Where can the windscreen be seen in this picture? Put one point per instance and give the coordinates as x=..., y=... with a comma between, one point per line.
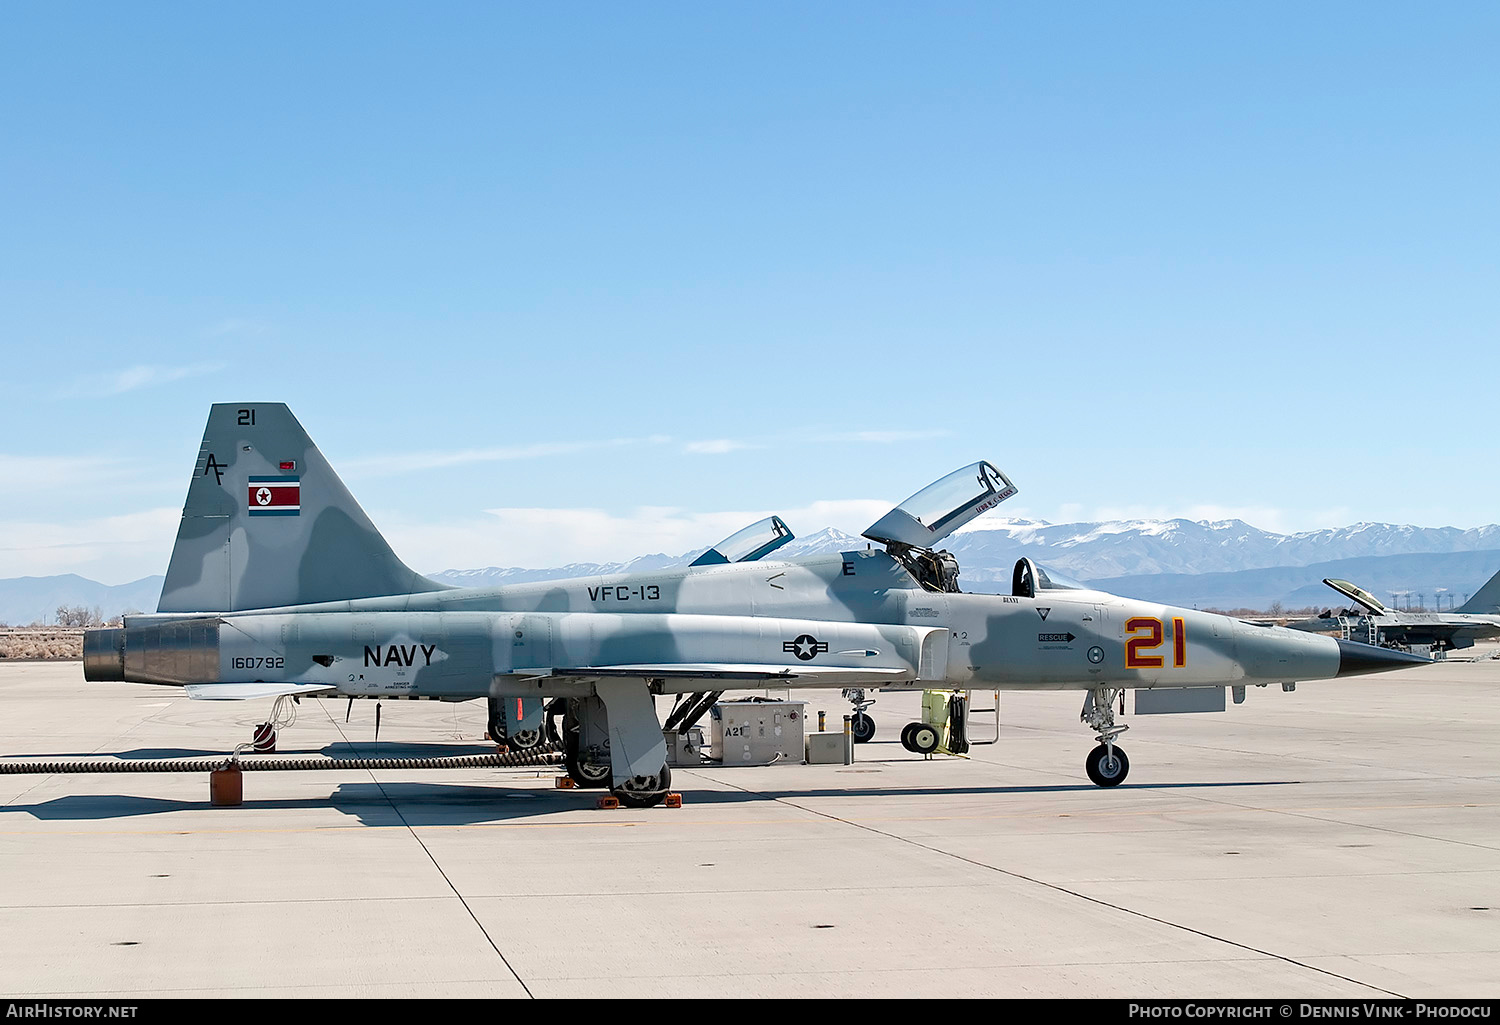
x=753, y=542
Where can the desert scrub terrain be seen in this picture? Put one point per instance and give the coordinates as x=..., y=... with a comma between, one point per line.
x=41, y=642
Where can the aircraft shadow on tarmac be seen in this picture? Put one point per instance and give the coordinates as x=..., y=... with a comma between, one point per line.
x=458, y=804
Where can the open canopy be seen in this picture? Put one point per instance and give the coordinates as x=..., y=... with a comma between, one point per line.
x=753, y=542
x=942, y=507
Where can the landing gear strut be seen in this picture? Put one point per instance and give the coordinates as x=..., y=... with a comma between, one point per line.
x=1106, y=765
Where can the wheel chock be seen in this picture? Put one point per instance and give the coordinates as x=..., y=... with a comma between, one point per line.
x=607, y=802
x=672, y=801
x=226, y=787
x=563, y=783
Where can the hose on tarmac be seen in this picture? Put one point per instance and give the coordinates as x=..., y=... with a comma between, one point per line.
x=510, y=760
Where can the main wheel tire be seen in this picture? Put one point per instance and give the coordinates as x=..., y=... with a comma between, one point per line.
x=1104, y=770
x=645, y=791
x=863, y=728
x=523, y=740
x=587, y=775
x=924, y=738
x=906, y=736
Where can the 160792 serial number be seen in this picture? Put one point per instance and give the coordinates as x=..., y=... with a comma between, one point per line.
x=258, y=662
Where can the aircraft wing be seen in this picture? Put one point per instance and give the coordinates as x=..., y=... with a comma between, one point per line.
x=831, y=676
x=246, y=691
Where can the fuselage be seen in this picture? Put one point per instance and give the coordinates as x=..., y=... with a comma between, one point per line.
x=859, y=610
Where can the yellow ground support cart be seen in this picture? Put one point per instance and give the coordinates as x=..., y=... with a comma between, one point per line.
x=944, y=726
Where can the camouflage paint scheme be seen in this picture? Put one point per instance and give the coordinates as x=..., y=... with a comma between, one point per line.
x=312, y=599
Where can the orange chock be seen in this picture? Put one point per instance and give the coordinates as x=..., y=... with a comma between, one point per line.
x=608, y=802
x=563, y=783
x=673, y=801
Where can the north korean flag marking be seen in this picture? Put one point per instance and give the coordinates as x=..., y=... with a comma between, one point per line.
x=275, y=496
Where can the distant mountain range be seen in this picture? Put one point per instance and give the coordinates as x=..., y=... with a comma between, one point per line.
x=1208, y=563
x=27, y=600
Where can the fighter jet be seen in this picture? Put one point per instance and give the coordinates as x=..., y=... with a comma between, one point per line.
x=280, y=586
x=1370, y=621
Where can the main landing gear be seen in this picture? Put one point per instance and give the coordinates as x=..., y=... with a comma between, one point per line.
x=516, y=740
x=1106, y=764
x=586, y=756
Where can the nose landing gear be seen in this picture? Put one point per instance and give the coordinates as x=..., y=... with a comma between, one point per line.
x=861, y=725
x=1106, y=764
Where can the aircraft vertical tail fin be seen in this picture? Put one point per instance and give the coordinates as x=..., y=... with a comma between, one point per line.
x=1486, y=601
x=268, y=523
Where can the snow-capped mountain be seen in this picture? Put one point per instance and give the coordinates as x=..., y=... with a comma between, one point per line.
x=1092, y=551
x=1178, y=561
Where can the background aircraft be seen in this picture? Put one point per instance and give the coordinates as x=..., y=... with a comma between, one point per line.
x=280, y=586
x=1370, y=621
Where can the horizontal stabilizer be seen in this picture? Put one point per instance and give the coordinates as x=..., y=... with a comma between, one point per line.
x=246, y=691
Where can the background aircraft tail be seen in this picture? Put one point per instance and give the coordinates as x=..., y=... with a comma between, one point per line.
x=268, y=523
x=1486, y=601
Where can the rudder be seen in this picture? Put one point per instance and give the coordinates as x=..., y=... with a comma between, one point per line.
x=268, y=523
x=1486, y=601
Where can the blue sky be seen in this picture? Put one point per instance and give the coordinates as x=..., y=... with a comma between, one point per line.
x=555, y=282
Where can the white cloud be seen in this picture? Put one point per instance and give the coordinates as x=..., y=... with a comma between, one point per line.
x=407, y=462
x=110, y=549
x=546, y=537
x=236, y=326
x=28, y=474
x=132, y=378
x=717, y=447
x=886, y=437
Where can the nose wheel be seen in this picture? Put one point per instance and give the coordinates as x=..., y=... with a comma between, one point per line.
x=1107, y=765
x=861, y=726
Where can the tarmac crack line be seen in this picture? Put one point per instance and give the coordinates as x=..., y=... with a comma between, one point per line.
x=1081, y=896
x=1293, y=813
x=482, y=930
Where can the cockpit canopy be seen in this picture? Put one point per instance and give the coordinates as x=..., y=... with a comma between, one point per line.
x=753, y=542
x=1028, y=580
x=942, y=507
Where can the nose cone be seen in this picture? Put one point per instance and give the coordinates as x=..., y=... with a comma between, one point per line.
x=1356, y=658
